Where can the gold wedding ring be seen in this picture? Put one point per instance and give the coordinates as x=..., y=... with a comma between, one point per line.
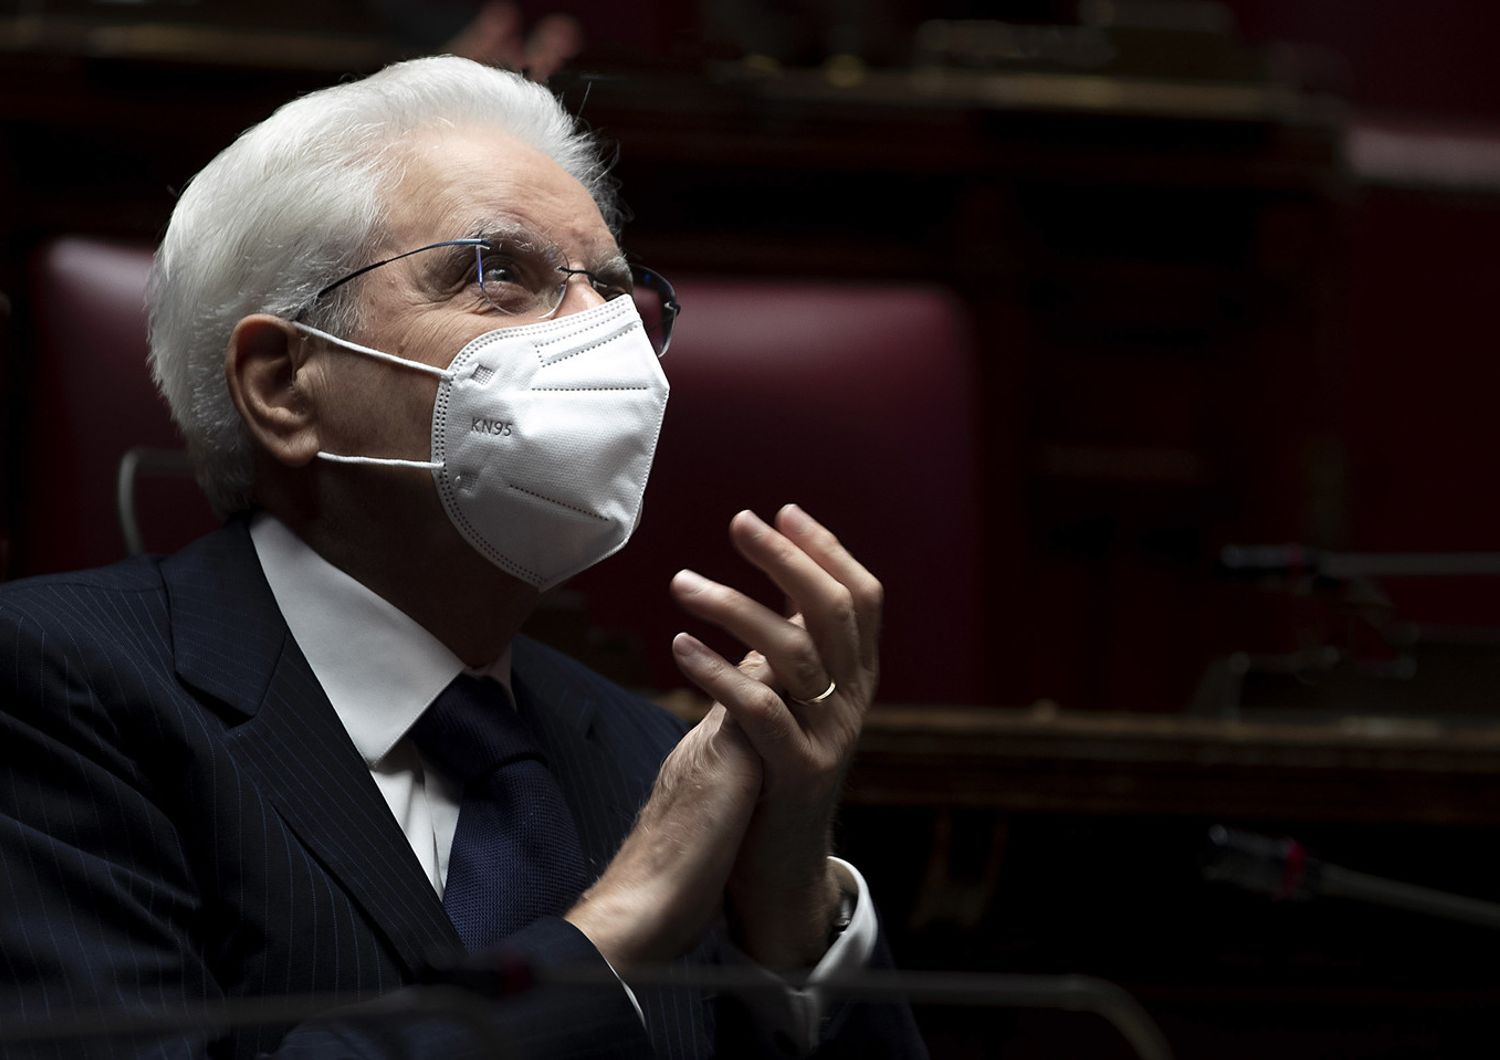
x=830, y=690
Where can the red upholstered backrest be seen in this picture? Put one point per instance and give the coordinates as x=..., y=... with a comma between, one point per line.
x=88, y=397
x=859, y=404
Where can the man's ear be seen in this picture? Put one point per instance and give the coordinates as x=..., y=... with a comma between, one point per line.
x=263, y=368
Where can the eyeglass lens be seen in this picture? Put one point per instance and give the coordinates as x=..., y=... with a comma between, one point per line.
x=521, y=281
x=657, y=305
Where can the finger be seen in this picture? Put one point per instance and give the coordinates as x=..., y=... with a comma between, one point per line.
x=785, y=645
x=758, y=668
x=556, y=39
x=758, y=710
x=825, y=603
x=825, y=549
x=493, y=36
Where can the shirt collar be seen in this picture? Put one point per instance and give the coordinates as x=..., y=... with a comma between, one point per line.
x=378, y=666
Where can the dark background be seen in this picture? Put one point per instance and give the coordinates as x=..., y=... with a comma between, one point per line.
x=1228, y=280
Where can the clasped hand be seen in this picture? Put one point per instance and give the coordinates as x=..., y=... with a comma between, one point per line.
x=743, y=807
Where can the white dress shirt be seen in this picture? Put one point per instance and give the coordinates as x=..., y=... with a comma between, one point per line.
x=381, y=669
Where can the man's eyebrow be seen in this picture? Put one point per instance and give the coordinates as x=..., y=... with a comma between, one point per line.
x=615, y=267
x=498, y=231
x=615, y=259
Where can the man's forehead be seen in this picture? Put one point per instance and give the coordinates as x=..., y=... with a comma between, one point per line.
x=475, y=181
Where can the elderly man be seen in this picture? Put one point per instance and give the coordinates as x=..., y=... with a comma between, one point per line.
x=311, y=753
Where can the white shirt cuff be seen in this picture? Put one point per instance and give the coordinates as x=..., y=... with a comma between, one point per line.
x=796, y=1014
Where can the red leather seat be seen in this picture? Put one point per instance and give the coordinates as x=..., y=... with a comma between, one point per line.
x=860, y=404
x=88, y=397
x=857, y=402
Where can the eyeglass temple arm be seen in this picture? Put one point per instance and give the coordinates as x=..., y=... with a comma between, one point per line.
x=336, y=284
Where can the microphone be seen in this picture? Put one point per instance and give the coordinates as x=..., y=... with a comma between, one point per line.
x=1283, y=869
x=1301, y=561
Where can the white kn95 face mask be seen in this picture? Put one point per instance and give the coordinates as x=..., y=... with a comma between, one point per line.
x=542, y=438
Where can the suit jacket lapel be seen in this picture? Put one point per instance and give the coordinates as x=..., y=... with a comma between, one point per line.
x=231, y=641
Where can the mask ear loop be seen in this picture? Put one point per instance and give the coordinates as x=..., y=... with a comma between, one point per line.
x=379, y=461
x=380, y=355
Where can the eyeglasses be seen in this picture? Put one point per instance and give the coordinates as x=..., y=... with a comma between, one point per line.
x=527, y=278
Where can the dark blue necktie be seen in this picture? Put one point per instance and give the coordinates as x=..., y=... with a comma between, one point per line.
x=516, y=855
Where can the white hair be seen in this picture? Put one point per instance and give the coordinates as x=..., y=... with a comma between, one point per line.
x=295, y=202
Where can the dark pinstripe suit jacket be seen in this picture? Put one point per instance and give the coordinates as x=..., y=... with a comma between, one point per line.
x=183, y=817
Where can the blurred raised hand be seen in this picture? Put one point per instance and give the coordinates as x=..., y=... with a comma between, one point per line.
x=497, y=36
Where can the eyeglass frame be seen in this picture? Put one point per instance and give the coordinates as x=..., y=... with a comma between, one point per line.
x=670, y=307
